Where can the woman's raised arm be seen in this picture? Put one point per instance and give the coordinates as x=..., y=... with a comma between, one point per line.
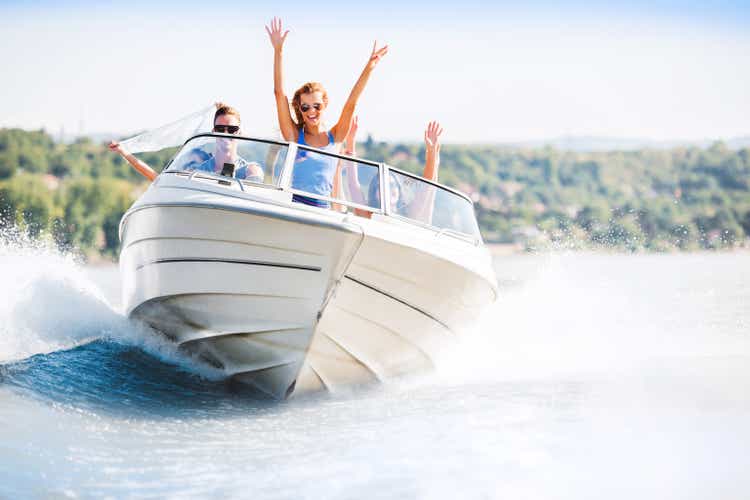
x=352, y=174
x=341, y=129
x=286, y=124
x=140, y=165
x=423, y=204
x=432, y=151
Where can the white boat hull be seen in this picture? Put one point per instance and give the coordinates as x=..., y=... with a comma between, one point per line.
x=290, y=299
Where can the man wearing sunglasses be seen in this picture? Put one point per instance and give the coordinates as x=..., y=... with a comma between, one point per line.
x=227, y=121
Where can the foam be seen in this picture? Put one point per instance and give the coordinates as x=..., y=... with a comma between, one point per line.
x=48, y=304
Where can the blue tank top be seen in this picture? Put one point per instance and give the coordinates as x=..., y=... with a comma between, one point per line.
x=313, y=172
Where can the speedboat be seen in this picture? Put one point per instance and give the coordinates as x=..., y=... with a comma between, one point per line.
x=289, y=297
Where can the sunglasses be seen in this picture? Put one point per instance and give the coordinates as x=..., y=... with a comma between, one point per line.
x=227, y=129
x=305, y=107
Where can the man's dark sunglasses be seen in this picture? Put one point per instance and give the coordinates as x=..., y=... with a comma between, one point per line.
x=306, y=107
x=227, y=129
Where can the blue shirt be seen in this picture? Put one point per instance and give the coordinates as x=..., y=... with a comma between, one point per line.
x=313, y=172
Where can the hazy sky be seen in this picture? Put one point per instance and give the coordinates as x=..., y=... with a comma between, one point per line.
x=657, y=70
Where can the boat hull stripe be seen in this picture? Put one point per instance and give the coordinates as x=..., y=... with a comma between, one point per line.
x=230, y=261
x=375, y=289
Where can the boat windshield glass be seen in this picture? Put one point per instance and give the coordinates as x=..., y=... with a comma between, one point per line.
x=245, y=159
x=416, y=199
x=311, y=185
x=357, y=190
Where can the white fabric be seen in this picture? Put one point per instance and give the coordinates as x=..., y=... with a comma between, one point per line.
x=172, y=134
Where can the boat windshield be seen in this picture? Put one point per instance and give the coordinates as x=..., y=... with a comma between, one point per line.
x=356, y=191
x=415, y=198
x=312, y=170
x=410, y=196
x=245, y=159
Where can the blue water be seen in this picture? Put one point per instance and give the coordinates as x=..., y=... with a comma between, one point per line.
x=119, y=379
x=595, y=376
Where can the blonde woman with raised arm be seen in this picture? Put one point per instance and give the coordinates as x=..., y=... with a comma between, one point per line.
x=314, y=173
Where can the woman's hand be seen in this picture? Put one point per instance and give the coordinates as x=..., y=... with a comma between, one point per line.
x=377, y=55
x=115, y=147
x=432, y=151
x=286, y=123
x=432, y=137
x=341, y=129
x=141, y=166
x=274, y=33
x=351, y=137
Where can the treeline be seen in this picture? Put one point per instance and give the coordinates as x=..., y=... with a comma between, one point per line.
x=74, y=194
x=686, y=198
x=683, y=198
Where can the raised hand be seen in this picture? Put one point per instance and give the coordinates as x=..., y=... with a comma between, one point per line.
x=274, y=33
x=377, y=54
x=115, y=147
x=341, y=129
x=432, y=150
x=432, y=136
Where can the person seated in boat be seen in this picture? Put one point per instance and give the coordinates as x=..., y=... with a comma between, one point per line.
x=227, y=121
x=420, y=205
x=195, y=157
x=313, y=172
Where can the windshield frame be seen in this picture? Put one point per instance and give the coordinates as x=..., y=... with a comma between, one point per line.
x=289, y=167
x=474, y=238
x=285, y=180
x=241, y=182
x=428, y=181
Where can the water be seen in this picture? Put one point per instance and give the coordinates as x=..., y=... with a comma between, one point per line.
x=595, y=376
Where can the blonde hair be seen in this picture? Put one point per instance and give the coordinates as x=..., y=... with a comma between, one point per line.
x=307, y=88
x=225, y=109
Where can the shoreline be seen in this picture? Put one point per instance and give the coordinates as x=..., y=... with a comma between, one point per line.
x=508, y=249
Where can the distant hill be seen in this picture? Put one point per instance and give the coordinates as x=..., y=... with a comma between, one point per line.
x=565, y=143
x=98, y=137
x=591, y=144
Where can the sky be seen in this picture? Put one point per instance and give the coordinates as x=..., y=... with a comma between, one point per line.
x=489, y=73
